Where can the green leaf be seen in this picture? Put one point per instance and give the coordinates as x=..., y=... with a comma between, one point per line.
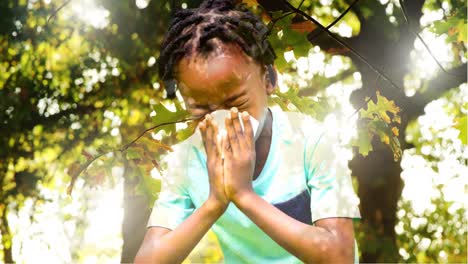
x=163, y=116
x=302, y=50
x=379, y=110
x=379, y=123
x=461, y=126
x=455, y=27
x=185, y=133
x=363, y=142
x=280, y=63
x=147, y=185
x=134, y=153
x=461, y=29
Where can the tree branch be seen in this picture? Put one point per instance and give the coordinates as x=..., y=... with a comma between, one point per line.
x=314, y=34
x=272, y=6
x=435, y=88
x=408, y=22
x=56, y=11
x=340, y=41
x=312, y=89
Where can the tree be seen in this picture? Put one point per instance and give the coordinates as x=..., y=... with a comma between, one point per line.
x=386, y=39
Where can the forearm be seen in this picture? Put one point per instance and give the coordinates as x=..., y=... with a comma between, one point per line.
x=307, y=242
x=176, y=245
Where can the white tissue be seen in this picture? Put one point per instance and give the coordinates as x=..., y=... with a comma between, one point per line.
x=220, y=115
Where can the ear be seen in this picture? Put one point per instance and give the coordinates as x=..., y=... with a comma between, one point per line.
x=271, y=78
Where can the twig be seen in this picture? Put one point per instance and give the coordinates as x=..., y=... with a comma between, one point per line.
x=282, y=16
x=337, y=39
x=84, y=166
x=125, y=147
x=300, y=4
x=54, y=14
x=405, y=15
x=334, y=22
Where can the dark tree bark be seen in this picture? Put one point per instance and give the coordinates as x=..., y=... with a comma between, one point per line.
x=6, y=236
x=136, y=214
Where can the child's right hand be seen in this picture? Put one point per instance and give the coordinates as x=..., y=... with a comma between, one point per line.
x=213, y=148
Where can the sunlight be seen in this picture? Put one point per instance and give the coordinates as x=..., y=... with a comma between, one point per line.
x=89, y=12
x=424, y=64
x=105, y=218
x=283, y=79
x=343, y=30
x=141, y=4
x=439, y=140
x=85, y=228
x=418, y=179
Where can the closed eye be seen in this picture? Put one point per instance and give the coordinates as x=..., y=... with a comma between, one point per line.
x=239, y=104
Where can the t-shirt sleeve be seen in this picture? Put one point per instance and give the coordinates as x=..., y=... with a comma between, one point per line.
x=328, y=177
x=173, y=204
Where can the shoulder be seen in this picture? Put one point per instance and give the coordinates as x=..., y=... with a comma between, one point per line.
x=176, y=164
x=177, y=157
x=189, y=153
x=184, y=147
x=293, y=126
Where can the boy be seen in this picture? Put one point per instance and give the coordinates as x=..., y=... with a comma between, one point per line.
x=281, y=197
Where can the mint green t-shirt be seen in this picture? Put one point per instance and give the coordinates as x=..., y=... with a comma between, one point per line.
x=303, y=176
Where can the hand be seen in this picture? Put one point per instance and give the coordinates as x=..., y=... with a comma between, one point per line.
x=213, y=148
x=239, y=156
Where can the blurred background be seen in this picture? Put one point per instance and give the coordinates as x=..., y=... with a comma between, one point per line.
x=79, y=85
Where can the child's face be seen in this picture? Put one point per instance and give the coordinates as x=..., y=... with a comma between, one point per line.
x=226, y=80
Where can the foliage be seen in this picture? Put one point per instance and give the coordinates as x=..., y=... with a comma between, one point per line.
x=455, y=25
x=437, y=232
x=379, y=123
x=139, y=154
x=436, y=235
x=287, y=35
x=291, y=101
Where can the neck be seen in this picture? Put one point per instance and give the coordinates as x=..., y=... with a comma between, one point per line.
x=266, y=130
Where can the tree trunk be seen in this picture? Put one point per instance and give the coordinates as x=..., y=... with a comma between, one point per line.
x=379, y=190
x=378, y=175
x=136, y=214
x=6, y=237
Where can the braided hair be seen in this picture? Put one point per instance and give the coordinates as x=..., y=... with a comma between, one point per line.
x=199, y=30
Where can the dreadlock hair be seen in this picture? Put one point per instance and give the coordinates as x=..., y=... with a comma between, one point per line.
x=193, y=31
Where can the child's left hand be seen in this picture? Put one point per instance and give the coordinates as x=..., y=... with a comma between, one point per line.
x=239, y=155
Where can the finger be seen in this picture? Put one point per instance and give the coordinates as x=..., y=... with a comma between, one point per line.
x=209, y=133
x=202, y=127
x=231, y=134
x=248, y=130
x=213, y=131
x=236, y=122
x=216, y=142
x=226, y=146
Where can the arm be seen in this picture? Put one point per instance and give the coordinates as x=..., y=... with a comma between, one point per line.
x=163, y=246
x=174, y=246
x=331, y=240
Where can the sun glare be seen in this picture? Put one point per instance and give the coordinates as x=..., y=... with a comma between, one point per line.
x=424, y=64
x=88, y=11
